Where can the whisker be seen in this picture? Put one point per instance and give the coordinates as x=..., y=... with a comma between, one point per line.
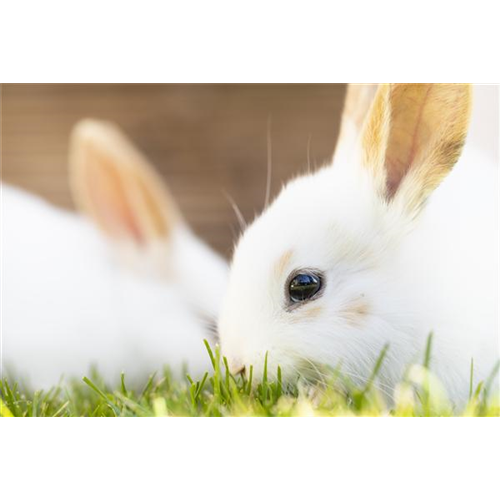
x=269, y=162
x=384, y=388
x=321, y=377
x=239, y=216
x=309, y=153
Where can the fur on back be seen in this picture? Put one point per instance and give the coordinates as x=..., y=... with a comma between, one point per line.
x=69, y=303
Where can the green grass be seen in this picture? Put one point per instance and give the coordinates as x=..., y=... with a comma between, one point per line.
x=220, y=394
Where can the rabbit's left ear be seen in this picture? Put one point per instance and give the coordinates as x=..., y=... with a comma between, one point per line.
x=358, y=99
x=117, y=187
x=412, y=137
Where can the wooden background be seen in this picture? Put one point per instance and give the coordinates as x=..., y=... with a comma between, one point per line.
x=204, y=139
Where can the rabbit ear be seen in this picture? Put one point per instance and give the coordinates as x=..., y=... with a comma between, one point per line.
x=412, y=137
x=358, y=99
x=115, y=184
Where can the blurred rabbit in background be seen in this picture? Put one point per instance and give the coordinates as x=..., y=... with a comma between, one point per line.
x=128, y=287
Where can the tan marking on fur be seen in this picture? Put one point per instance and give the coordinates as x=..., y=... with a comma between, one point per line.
x=375, y=136
x=413, y=136
x=281, y=265
x=312, y=312
x=114, y=184
x=355, y=312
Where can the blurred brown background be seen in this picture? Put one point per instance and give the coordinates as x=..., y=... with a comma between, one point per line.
x=205, y=140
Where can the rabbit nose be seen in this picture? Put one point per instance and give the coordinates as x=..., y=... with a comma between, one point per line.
x=236, y=367
x=240, y=370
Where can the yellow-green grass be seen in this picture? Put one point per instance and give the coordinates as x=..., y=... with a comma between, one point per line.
x=220, y=394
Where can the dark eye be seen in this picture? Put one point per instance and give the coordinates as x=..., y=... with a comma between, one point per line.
x=303, y=286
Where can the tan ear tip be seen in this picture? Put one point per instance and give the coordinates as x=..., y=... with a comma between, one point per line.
x=87, y=136
x=91, y=135
x=92, y=130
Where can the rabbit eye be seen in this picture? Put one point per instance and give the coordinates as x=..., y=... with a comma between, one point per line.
x=304, y=286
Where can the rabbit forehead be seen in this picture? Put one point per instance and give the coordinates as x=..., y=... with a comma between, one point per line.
x=316, y=220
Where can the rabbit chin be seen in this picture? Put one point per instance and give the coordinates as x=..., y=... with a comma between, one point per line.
x=383, y=282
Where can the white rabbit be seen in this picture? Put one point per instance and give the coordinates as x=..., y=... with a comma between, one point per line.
x=135, y=300
x=355, y=256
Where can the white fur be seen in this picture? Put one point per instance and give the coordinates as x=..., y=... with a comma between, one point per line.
x=439, y=274
x=69, y=301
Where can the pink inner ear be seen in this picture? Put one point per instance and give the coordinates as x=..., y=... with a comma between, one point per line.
x=405, y=140
x=110, y=203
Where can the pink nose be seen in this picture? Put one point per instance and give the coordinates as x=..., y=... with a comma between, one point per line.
x=240, y=370
x=236, y=367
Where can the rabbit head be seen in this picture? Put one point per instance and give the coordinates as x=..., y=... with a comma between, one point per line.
x=310, y=281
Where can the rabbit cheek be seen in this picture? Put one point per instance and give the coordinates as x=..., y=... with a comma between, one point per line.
x=309, y=313
x=355, y=313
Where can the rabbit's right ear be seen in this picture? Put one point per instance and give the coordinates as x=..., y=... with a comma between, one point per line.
x=116, y=186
